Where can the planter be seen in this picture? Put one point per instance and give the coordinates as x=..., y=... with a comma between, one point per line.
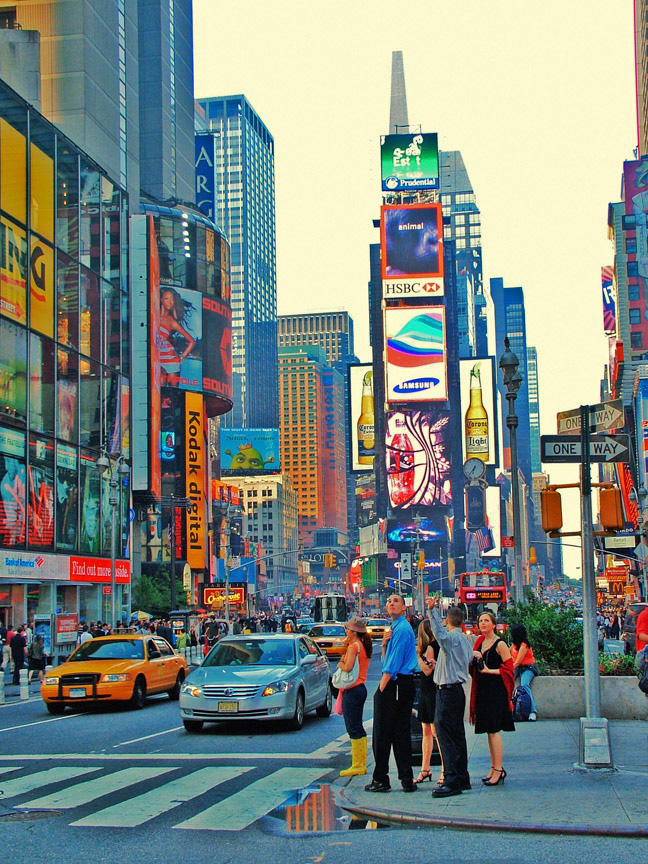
x=563, y=696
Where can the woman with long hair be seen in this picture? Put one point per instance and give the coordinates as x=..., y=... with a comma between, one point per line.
x=173, y=312
x=427, y=650
x=358, y=645
x=524, y=662
x=490, y=698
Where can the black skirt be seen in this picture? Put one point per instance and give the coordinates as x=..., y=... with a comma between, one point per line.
x=427, y=699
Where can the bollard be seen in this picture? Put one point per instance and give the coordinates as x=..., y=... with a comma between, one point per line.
x=24, y=685
x=2, y=682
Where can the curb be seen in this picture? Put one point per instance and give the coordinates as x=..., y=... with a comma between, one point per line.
x=407, y=820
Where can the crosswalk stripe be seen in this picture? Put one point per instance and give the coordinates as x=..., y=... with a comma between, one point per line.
x=128, y=814
x=21, y=785
x=256, y=800
x=8, y=770
x=84, y=793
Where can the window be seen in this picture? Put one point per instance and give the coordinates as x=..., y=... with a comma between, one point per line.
x=635, y=340
x=635, y=316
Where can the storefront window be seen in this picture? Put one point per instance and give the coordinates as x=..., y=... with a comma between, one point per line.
x=40, y=493
x=90, y=599
x=90, y=237
x=90, y=482
x=13, y=267
x=66, y=599
x=41, y=205
x=110, y=215
x=111, y=299
x=67, y=299
x=41, y=384
x=13, y=488
x=90, y=315
x=90, y=403
x=67, y=200
x=67, y=395
x=67, y=498
x=13, y=373
x=40, y=600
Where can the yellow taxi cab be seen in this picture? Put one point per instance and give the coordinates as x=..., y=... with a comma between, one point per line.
x=330, y=638
x=376, y=627
x=124, y=668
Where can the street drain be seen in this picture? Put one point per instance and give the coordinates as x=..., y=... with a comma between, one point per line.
x=313, y=810
x=28, y=815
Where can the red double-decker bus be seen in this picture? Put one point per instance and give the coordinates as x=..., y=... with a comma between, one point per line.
x=485, y=591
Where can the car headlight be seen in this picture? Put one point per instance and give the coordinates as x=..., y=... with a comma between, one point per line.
x=275, y=687
x=52, y=681
x=113, y=679
x=191, y=690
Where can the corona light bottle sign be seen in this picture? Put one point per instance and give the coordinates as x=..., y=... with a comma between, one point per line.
x=366, y=432
x=476, y=421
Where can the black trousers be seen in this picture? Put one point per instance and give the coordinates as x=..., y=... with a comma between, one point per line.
x=450, y=730
x=391, y=729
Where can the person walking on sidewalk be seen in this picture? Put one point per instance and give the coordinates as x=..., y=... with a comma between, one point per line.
x=427, y=650
x=524, y=663
x=490, y=699
x=18, y=644
x=358, y=645
x=37, y=658
x=450, y=674
x=393, y=702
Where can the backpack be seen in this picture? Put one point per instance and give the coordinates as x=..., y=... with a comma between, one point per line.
x=521, y=699
x=642, y=659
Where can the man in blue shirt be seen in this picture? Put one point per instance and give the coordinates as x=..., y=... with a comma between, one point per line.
x=393, y=702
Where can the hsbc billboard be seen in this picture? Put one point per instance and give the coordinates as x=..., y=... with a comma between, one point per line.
x=397, y=290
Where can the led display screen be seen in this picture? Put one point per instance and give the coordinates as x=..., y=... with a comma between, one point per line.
x=411, y=240
x=478, y=415
x=416, y=356
x=249, y=451
x=409, y=162
x=417, y=451
x=180, y=338
x=13, y=508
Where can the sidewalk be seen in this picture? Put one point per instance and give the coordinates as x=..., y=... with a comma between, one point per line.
x=543, y=792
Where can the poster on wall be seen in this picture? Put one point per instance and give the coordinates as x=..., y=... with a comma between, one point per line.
x=415, y=353
x=477, y=385
x=409, y=162
x=361, y=417
x=417, y=451
x=249, y=451
x=411, y=240
x=180, y=338
x=13, y=507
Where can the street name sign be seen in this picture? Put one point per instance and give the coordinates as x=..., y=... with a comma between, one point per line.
x=567, y=448
x=604, y=416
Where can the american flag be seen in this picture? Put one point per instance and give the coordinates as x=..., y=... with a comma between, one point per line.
x=484, y=538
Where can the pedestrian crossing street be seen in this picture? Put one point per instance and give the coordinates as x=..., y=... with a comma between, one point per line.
x=72, y=788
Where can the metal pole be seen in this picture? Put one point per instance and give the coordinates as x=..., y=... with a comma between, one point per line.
x=512, y=424
x=172, y=584
x=113, y=507
x=227, y=571
x=590, y=638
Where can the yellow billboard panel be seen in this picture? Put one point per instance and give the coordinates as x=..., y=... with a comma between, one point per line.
x=42, y=193
x=41, y=287
x=13, y=171
x=195, y=466
x=13, y=271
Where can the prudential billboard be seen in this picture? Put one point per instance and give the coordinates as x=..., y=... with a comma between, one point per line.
x=409, y=162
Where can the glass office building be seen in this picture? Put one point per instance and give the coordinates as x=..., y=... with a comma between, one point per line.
x=64, y=373
x=245, y=210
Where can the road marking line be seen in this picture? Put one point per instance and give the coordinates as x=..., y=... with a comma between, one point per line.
x=135, y=811
x=161, y=757
x=146, y=737
x=256, y=800
x=22, y=785
x=84, y=793
x=38, y=723
x=17, y=701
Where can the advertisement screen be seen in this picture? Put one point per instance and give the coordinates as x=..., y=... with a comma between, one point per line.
x=249, y=451
x=217, y=360
x=67, y=497
x=180, y=338
x=479, y=418
x=13, y=508
x=635, y=186
x=361, y=416
x=431, y=530
x=411, y=240
x=13, y=270
x=409, y=162
x=155, y=372
x=417, y=450
x=609, y=302
x=408, y=289
x=195, y=480
x=416, y=359
x=40, y=494
x=494, y=521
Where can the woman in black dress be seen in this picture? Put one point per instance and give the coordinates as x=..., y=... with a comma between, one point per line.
x=427, y=649
x=492, y=685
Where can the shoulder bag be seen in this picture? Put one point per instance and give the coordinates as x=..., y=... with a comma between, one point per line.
x=343, y=680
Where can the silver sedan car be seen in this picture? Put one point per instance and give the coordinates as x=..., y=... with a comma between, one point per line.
x=258, y=677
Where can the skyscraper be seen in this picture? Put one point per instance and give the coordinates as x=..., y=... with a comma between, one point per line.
x=534, y=409
x=641, y=67
x=245, y=209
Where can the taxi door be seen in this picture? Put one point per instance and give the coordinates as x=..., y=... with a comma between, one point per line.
x=170, y=663
x=155, y=668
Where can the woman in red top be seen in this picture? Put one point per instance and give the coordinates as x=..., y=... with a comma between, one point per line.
x=524, y=663
x=358, y=644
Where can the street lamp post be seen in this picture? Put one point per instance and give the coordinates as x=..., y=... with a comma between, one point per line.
x=512, y=380
x=419, y=583
x=118, y=469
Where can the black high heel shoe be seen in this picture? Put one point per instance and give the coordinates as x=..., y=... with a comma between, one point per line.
x=488, y=778
x=423, y=775
x=500, y=779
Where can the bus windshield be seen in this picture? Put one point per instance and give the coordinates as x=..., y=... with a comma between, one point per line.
x=330, y=607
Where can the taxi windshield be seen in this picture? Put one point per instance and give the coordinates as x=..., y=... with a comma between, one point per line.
x=327, y=631
x=113, y=649
x=252, y=652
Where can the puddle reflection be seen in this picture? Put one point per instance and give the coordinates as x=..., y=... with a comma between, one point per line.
x=313, y=809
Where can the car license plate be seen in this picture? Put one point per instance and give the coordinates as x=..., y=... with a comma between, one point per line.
x=325, y=644
x=228, y=707
x=77, y=692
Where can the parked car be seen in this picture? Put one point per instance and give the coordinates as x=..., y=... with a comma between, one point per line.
x=278, y=676
x=125, y=668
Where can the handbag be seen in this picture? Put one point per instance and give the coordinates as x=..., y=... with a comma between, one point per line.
x=343, y=680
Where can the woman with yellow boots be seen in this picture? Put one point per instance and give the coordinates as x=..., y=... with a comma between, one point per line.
x=358, y=645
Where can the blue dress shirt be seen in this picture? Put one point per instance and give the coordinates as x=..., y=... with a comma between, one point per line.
x=400, y=654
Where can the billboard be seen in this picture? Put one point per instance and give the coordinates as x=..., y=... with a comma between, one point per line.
x=408, y=289
x=416, y=358
x=433, y=529
x=249, y=451
x=13, y=508
x=13, y=270
x=609, y=302
x=204, y=164
x=411, y=241
x=217, y=361
x=409, y=162
x=180, y=338
x=477, y=385
x=155, y=371
x=195, y=480
x=361, y=417
x=417, y=452
x=641, y=414
x=635, y=190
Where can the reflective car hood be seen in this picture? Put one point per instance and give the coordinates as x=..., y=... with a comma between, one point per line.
x=86, y=667
x=245, y=675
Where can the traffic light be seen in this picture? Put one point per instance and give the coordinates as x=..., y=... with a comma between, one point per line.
x=611, y=510
x=551, y=507
x=328, y=560
x=532, y=555
x=333, y=560
x=421, y=560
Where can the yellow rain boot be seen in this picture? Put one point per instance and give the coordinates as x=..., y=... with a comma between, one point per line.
x=358, y=758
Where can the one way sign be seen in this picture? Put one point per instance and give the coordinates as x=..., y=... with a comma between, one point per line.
x=602, y=448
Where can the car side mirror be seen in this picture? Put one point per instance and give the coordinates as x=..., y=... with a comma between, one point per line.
x=154, y=654
x=309, y=659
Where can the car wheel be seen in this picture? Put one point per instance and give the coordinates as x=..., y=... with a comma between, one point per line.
x=193, y=725
x=298, y=718
x=174, y=692
x=138, y=699
x=55, y=707
x=324, y=710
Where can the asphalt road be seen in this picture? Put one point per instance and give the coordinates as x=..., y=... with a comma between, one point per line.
x=109, y=783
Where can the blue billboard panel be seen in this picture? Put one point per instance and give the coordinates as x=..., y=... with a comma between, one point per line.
x=205, y=161
x=249, y=451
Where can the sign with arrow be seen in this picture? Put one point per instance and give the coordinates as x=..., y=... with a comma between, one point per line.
x=603, y=417
x=602, y=448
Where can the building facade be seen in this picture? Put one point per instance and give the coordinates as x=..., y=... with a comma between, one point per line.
x=245, y=210
x=534, y=409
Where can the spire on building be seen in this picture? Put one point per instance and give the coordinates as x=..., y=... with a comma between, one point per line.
x=398, y=121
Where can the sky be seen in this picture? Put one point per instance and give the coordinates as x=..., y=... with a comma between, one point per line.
x=539, y=96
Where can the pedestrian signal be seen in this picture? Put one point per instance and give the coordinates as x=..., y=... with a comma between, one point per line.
x=611, y=510
x=421, y=560
x=551, y=508
x=533, y=559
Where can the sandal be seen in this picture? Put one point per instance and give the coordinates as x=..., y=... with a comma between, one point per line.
x=440, y=782
x=424, y=775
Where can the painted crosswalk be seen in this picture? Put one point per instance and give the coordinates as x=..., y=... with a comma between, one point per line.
x=147, y=793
